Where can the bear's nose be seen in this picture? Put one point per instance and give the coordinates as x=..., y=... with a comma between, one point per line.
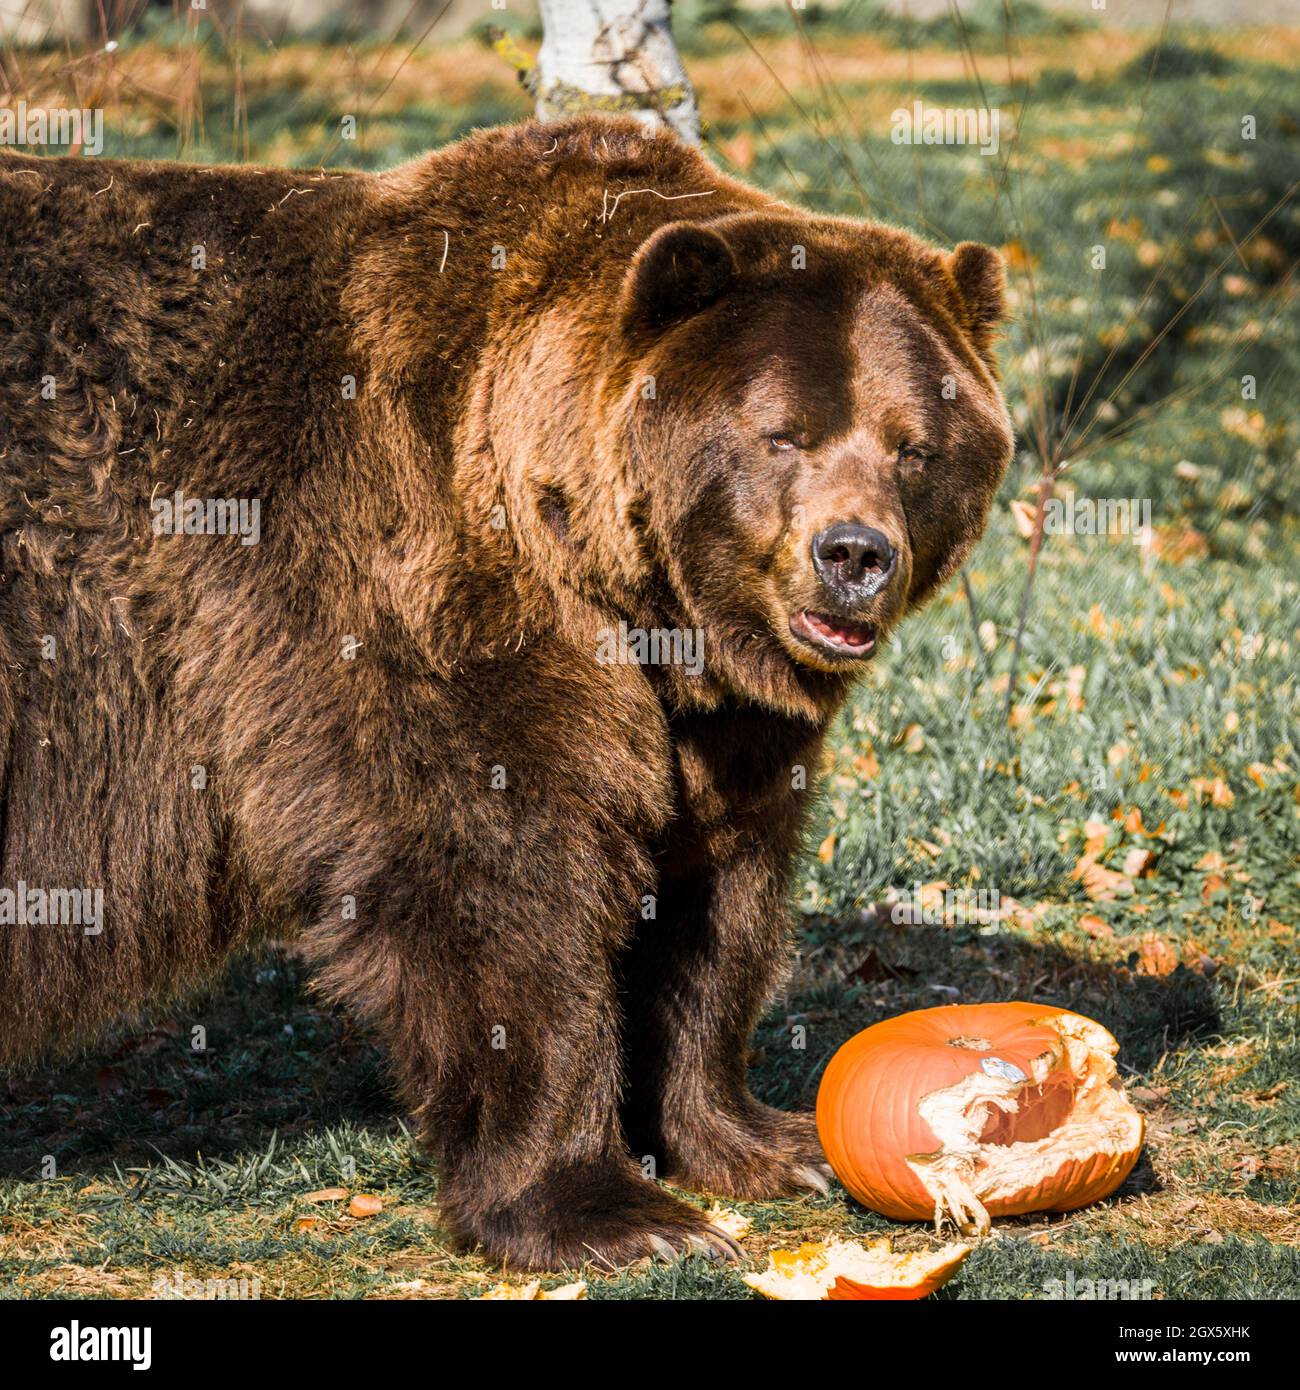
x=853, y=561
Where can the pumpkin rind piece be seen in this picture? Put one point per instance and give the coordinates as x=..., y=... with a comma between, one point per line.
x=841, y=1270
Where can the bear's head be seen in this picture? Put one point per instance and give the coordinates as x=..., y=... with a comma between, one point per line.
x=816, y=429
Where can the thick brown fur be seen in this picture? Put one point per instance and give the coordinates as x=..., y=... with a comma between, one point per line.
x=409, y=750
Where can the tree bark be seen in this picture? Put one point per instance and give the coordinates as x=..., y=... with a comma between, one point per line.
x=615, y=56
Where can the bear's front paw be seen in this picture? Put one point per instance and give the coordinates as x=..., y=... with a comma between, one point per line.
x=609, y=1215
x=748, y=1152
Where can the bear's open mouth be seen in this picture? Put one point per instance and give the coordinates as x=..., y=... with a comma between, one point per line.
x=830, y=634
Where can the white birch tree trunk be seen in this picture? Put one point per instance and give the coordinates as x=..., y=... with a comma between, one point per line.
x=30, y=22
x=614, y=55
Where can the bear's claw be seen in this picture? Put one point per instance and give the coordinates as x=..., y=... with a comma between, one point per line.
x=604, y=1214
x=818, y=1178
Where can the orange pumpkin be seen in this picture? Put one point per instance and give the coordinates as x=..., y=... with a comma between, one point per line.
x=972, y=1111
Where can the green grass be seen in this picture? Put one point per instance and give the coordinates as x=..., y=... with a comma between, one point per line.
x=1142, y=671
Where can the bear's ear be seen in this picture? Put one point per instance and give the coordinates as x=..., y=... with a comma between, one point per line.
x=978, y=273
x=678, y=271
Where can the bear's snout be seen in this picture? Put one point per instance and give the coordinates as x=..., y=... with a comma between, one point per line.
x=854, y=562
x=855, y=566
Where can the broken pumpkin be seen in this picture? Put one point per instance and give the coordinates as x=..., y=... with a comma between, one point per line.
x=971, y=1111
x=841, y=1270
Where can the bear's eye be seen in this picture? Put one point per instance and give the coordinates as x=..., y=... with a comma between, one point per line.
x=781, y=441
x=911, y=453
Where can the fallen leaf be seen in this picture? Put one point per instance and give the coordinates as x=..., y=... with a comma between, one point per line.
x=1025, y=517
x=1140, y=863
x=1214, y=883
x=1094, y=836
x=1016, y=913
x=739, y=150
x=151, y=1041
x=109, y=1081
x=1176, y=545
x=1017, y=257
x=1179, y=544
x=1257, y=1098
x=1100, y=883
x=327, y=1194
x=866, y=765
x=365, y=1204
x=1151, y=955
x=1214, y=790
x=874, y=969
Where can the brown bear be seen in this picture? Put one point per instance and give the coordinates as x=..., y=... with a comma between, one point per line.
x=459, y=567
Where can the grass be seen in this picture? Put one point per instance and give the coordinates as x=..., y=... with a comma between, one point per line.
x=1154, y=708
